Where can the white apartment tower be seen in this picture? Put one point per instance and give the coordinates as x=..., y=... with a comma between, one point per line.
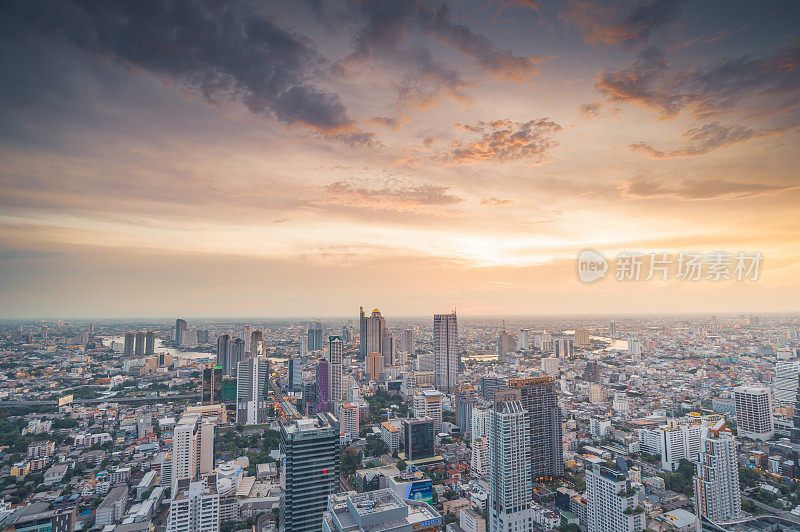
x=428, y=403
x=195, y=507
x=251, y=391
x=716, y=481
x=784, y=386
x=754, y=412
x=192, y=449
x=445, y=351
x=510, y=481
x=479, y=459
x=335, y=350
x=612, y=505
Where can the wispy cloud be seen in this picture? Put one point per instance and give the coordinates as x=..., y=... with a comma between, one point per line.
x=698, y=189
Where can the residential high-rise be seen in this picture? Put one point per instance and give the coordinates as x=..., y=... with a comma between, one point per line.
x=309, y=471
x=784, y=386
x=673, y=442
x=419, y=438
x=127, y=349
x=195, y=506
x=224, y=354
x=252, y=405
x=212, y=385
x=374, y=366
x=445, y=350
x=539, y=398
x=479, y=427
x=180, y=328
x=150, y=343
x=582, y=338
x=754, y=412
x=428, y=404
x=389, y=349
x=612, y=504
x=348, y=420
x=716, y=481
x=410, y=341
x=335, y=353
x=139, y=344
x=479, y=457
x=192, y=448
x=510, y=480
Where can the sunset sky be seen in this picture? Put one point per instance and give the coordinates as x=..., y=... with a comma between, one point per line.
x=302, y=158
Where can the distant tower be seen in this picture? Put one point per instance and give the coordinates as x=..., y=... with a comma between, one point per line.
x=251, y=391
x=224, y=354
x=323, y=403
x=128, y=346
x=335, y=350
x=150, y=343
x=180, y=328
x=139, y=344
x=445, y=351
x=409, y=341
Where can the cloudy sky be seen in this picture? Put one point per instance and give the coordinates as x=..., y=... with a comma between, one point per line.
x=204, y=158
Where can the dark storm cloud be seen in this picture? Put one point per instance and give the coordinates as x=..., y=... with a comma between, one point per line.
x=387, y=23
x=768, y=84
x=503, y=140
x=697, y=189
x=627, y=28
x=224, y=51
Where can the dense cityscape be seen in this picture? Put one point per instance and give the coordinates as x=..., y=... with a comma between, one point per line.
x=399, y=266
x=380, y=423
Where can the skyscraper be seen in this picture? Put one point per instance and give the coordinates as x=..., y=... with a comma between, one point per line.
x=315, y=342
x=224, y=354
x=445, y=350
x=428, y=404
x=323, y=403
x=716, y=481
x=388, y=348
x=251, y=391
x=150, y=343
x=373, y=331
x=335, y=351
x=237, y=354
x=180, y=328
x=754, y=412
x=409, y=341
x=510, y=481
x=374, y=366
x=505, y=343
x=212, y=385
x=295, y=374
x=139, y=344
x=309, y=471
x=539, y=398
x=563, y=347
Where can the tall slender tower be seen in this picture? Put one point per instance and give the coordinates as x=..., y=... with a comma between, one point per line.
x=224, y=354
x=150, y=343
x=716, y=481
x=540, y=399
x=510, y=482
x=251, y=391
x=310, y=471
x=445, y=351
x=180, y=328
x=335, y=350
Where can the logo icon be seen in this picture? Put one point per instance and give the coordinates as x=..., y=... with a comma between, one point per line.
x=591, y=266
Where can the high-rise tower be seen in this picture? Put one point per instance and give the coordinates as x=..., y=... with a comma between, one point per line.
x=445, y=351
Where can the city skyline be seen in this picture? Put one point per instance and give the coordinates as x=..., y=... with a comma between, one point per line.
x=425, y=154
